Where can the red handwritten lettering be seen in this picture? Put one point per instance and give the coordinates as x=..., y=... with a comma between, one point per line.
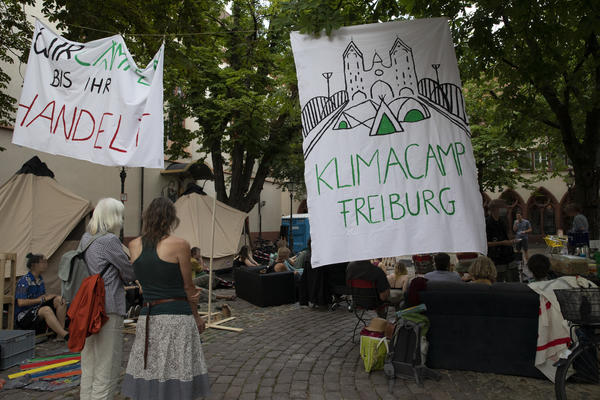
x=61, y=114
x=114, y=137
x=42, y=115
x=28, y=109
x=100, y=130
x=77, y=125
x=137, y=135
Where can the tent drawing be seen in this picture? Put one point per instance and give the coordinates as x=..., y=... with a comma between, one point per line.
x=194, y=211
x=36, y=216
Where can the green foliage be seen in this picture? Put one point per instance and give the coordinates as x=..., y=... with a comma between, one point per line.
x=15, y=36
x=232, y=74
x=544, y=55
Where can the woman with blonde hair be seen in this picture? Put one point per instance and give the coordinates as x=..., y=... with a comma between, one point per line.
x=282, y=262
x=166, y=359
x=483, y=270
x=398, y=278
x=102, y=353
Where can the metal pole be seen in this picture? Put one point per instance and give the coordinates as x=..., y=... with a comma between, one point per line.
x=290, y=235
x=123, y=175
x=259, y=219
x=210, y=265
x=141, y=198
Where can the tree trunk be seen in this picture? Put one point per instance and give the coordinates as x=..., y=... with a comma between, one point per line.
x=587, y=187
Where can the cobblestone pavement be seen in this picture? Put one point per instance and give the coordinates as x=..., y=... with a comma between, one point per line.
x=292, y=352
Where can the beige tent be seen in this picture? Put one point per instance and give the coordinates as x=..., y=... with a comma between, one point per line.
x=36, y=215
x=195, y=215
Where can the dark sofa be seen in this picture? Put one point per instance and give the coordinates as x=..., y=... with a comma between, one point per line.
x=477, y=327
x=272, y=289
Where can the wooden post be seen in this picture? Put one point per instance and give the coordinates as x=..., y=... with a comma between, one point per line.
x=9, y=299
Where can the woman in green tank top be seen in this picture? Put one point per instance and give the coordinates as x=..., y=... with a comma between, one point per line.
x=166, y=357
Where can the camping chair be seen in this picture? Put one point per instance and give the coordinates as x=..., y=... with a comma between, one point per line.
x=364, y=298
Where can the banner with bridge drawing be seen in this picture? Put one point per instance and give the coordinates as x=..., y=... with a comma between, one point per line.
x=91, y=101
x=389, y=166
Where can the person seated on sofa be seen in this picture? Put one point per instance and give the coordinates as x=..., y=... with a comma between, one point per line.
x=283, y=264
x=273, y=257
x=539, y=265
x=398, y=278
x=397, y=281
x=442, y=271
x=35, y=309
x=483, y=271
x=244, y=258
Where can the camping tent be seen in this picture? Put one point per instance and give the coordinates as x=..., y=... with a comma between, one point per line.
x=37, y=214
x=194, y=211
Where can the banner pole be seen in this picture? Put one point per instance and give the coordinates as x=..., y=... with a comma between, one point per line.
x=210, y=266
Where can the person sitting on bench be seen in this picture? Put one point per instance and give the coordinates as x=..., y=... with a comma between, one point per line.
x=35, y=309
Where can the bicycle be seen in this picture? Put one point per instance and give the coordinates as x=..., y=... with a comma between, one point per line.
x=579, y=373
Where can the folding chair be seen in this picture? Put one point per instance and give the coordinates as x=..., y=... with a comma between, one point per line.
x=364, y=298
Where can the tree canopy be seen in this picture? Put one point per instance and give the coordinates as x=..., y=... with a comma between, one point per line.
x=544, y=55
x=231, y=73
x=15, y=38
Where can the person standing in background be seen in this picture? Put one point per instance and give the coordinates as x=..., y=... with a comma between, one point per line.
x=166, y=359
x=522, y=227
x=102, y=353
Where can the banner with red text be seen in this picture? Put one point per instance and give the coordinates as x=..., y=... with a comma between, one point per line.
x=389, y=167
x=90, y=101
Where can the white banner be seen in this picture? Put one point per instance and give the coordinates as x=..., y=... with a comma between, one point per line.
x=90, y=101
x=389, y=166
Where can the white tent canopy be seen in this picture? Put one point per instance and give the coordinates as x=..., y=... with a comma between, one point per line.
x=195, y=212
x=37, y=214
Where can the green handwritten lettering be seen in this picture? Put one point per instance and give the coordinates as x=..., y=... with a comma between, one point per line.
x=451, y=202
x=391, y=164
x=357, y=209
x=319, y=179
x=397, y=203
x=368, y=164
x=457, y=155
x=344, y=211
x=406, y=161
x=427, y=200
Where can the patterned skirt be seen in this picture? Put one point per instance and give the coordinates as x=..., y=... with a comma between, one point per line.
x=175, y=362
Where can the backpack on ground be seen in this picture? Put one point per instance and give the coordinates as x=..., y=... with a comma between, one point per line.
x=73, y=269
x=408, y=349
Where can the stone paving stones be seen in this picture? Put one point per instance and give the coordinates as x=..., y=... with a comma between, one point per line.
x=291, y=352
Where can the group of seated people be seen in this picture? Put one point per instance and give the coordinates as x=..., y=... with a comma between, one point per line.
x=281, y=261
x=395, y=287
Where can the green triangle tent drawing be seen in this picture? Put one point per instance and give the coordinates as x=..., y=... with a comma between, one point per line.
x=385, y=122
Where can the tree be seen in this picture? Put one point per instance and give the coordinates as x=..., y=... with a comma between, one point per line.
x=544, y=54
x=233, y=74
x=15, y=35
